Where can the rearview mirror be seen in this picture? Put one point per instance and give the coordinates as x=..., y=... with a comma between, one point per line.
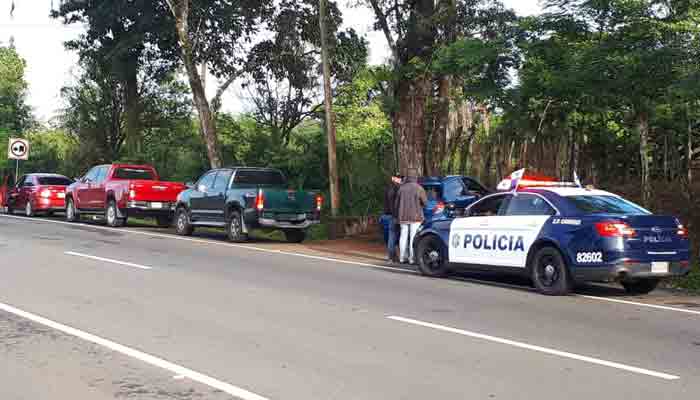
x=190, y=185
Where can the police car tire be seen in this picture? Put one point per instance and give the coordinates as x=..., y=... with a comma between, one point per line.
x=427, y=244
x=640, y=286
x=563, y=284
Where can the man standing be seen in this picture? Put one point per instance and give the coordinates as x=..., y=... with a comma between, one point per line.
x=410, y=201
x=391, y=216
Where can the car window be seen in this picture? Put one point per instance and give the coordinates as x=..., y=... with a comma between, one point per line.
x=528, y=204
x=143, y=174
x=101, y=174
x=488, y=207
x=474, y=186
x=253, y=177
x=606, y=205
x=222, y=180
x=207, y=180
x=453, y=189
x=54, y=181
x=28, y=181
x=92, y=174
x=20, y=182
x=434, y=192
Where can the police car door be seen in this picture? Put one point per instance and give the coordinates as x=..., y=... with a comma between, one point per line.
x=524, y=218
x=472, y=237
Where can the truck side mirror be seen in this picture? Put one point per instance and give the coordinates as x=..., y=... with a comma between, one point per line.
x=190, y=185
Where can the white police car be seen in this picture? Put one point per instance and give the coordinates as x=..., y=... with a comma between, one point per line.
x=557, y=234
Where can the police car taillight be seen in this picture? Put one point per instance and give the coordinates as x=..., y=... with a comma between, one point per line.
x=614, y=229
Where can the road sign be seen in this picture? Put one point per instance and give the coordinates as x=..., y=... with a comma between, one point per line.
x=18, y=149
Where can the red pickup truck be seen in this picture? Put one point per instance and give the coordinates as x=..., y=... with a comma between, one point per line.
x=119, y=191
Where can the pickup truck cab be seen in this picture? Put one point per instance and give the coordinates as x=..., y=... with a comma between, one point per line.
x=119, y=191
x=240, y=199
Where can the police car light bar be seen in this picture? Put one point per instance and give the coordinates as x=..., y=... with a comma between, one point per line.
x=505, y=184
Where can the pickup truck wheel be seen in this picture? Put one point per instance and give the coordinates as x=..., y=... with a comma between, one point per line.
x=71, y=213
x=295, y=235
x=234, y=228
x=164, y=221
x=182, y=223
x=112, y=216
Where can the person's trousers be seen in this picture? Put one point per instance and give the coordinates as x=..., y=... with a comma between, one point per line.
x=408, y=233
x=393, y=239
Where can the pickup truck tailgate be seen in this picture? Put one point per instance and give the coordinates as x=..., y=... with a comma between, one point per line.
x=288, y=201
x=156, y=190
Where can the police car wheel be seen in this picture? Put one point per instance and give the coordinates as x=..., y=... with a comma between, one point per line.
x=550, y=274
x=640, y=286
x=432, y=258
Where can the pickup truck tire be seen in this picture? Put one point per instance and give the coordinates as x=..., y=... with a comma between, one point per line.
x=183, y=227
x=234, y=228
x=72, y=214
x=112, y=215
x=164, y=221
x=295, y=235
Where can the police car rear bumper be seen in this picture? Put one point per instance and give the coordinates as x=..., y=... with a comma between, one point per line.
x=624, y=270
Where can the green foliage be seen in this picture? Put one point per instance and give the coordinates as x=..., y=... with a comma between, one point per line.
x=15, y=114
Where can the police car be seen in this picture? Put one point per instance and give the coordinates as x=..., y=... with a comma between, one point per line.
x=558, y=234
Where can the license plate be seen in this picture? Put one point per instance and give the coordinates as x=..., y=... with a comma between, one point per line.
x=61, y=195
x=659, y=268
x=157, y=205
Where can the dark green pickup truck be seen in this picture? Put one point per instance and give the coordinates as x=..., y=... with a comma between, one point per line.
x=240, y=199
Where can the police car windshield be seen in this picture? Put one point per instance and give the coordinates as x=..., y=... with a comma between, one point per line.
x=606, y=205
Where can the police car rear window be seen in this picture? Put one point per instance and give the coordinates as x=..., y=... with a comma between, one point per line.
x=606, y=205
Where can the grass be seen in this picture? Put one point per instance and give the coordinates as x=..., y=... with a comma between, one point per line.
x=690, y=283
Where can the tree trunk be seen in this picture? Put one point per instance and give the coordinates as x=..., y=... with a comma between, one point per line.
x=132, y=104
x=410, y=124
x=442, y=129
x=206, y=117
x=643, y=126
x=689, y=168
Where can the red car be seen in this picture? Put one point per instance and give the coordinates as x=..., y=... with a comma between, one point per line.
x=39, y=193
x=119, y=191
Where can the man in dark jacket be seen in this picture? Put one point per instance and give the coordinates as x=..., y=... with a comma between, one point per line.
x=390, y=216
x=410, y=201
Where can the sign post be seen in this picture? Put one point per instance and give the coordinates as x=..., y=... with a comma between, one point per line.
x=18, y=149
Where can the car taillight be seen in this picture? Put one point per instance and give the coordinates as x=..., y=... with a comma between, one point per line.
x=132, y=194
x=439, y=207
x=259, y=201
x=319, y=202
x=682, y=231
x=614, y=229
x=46, y=193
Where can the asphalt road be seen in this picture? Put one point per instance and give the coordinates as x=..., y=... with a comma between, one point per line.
x=88, y=312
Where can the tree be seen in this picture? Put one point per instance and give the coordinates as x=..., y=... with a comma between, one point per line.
x=212, y=33
x=282, y=73
x=132, y=39
x=15, y=114
x=426, y=99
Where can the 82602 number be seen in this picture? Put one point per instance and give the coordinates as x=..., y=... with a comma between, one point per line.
x=590, y=257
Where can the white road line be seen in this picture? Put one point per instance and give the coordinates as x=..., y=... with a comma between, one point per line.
x=253, y=248
x=634, y=303
x=540, y=349
x=139, y=355
x=109, y=260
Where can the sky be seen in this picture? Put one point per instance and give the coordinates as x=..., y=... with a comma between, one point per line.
x=39, y=40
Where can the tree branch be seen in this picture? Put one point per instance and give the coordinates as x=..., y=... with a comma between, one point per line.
x=384, y=24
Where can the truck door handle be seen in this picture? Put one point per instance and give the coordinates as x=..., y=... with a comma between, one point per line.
x=483, y=224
